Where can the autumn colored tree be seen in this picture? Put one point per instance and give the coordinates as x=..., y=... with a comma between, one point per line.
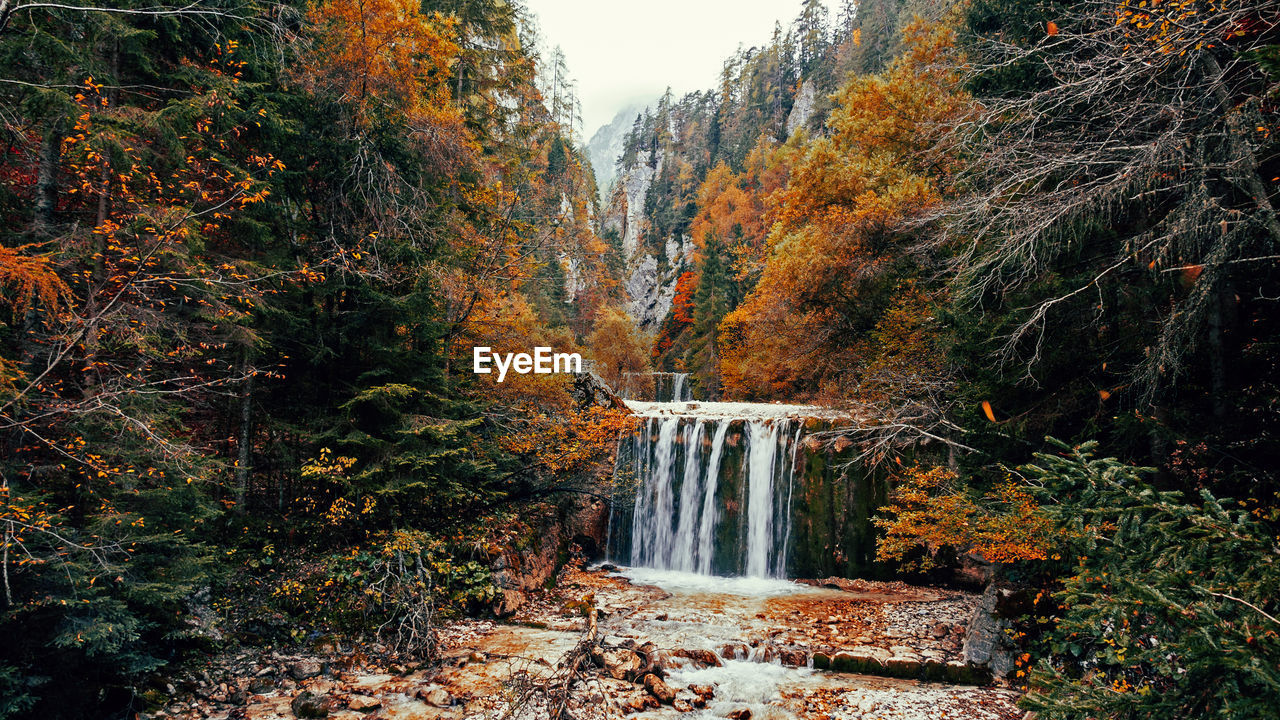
x=844, y=243
x=617, y=347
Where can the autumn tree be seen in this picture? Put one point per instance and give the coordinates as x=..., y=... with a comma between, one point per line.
x=844, y=244
x=617, y=347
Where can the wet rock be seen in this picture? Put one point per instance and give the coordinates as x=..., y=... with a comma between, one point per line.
x=682, y=705
x=706, y=692
x=984, y=643
x=794, y=658
x=902, y=666
x=477, y=657
x=658, y=689
x=304, y=669
x=733, y=651
x=701, y=658
x=940, y=630
x=360, y=703
x=621, y=664
x=743, y=714
x=765, y=654
x=310, y=705
x=438, y=697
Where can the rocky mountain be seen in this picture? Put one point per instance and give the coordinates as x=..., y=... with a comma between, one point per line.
x=606, y=145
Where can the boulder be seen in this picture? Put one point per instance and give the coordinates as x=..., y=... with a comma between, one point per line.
x=701, y=658
x=985, y=641
x=309, y=705
x=360, y=703
x=588, y=390
x=658, y=689
x=621, y=664
x=734, y=651
x=303, y=669
x=794, y=658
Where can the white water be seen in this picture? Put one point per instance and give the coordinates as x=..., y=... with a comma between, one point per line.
x=678, y=581
x=707, y=527
x=680, y=391
x=658, y=387
x=686, y=518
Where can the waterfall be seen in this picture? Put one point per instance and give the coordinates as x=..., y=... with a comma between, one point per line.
x=712, y=494
x=656, y=387
x=680, y=388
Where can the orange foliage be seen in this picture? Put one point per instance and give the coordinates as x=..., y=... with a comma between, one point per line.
x=737, y=208
x=838, y=244
x=573, y=441
x=682, y=305
x=618, y=347
x=931, y=510
x=388, y=60
x=30, y=278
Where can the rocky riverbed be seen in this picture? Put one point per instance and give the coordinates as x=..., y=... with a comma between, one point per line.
x=638, y=643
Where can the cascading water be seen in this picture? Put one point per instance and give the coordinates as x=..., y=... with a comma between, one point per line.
x=656, y=387
x=712, y=494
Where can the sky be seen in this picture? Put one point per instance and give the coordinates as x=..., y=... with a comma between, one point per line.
x=629, y=52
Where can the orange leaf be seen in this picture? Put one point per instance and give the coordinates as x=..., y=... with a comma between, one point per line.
x=1052, y=27
x=986, y=408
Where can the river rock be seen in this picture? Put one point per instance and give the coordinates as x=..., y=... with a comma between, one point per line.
x=705, y=691
x=360, y=703
x=304, y=669
x=794, y=658
x=438, y=697
x=734, y=651
x=701, y=658
x=743, y=714
x=310, y=705
x=621, y=663
x=658, y=688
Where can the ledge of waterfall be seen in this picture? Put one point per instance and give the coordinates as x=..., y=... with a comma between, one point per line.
x=733, y=410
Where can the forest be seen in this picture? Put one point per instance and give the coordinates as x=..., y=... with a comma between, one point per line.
x=1026, y=252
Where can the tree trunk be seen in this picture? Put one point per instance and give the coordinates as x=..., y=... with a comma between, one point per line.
x=46, y=178
x=1217, y=357
x=246, y=439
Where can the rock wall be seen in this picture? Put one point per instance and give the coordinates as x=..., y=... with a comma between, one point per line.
x=532, y=563
x=652, y=264
x=802, y=110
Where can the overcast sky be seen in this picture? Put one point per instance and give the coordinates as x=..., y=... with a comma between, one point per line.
x=625, y=52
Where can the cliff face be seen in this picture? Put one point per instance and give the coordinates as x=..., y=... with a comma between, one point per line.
x=607, y=144
x=653, y=263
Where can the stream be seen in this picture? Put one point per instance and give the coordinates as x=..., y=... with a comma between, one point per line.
x=716, y=507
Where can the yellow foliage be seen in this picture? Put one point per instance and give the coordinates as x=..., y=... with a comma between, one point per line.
x=30, y=278
x=839, y=237
x=618, y=347
x=931, y=509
